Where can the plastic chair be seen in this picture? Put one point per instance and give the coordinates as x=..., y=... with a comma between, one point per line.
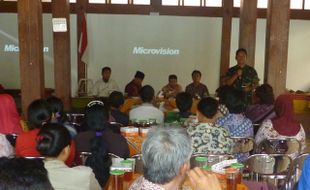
x=82, y=156
x=242, y=145
x=115, y=127
x=11, y=138
x=76, y=119
x=272, y=168
x=279, y=146
x=211, y=158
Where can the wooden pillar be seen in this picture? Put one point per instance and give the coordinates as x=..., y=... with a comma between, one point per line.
x=81, y=6
x=226, y=36
x=247, y=28
x=62, y=71
x=277, y=34
x=30, y=51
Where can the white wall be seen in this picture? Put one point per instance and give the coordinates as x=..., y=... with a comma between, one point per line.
x=111, y=39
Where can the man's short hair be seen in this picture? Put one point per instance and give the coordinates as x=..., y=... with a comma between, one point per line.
x=23, y=174
x=116, y=99
x=241, y=50
x=196, y=72
x=139, y=75
x=184, y=101
x=173, y=77
x=208, y=107
x=164, y=152
x=105, y=69
x=147, y=93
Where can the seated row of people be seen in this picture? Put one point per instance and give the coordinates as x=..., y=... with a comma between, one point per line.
x=105, y=86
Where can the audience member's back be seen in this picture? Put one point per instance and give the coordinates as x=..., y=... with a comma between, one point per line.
x=146, y=110
x=23, y=174
x=96, y=117
x=116, y=100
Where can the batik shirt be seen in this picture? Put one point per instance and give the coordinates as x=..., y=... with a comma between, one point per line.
x=143, y=184
x=201, y=90
x=210, y=139
x=238, y=126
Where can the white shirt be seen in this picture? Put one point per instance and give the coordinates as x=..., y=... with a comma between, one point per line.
x=147, y=111
x=64, y=178
x=104, y=89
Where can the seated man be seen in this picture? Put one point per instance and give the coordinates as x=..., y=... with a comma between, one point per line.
x=146, y=110
x=196, y=89
x=132, y=89
x=184, y=103
x=21, y=173
x=172, y=88
x=116, y=100
x=207, y=137
x=104, y=86
x=166, y=153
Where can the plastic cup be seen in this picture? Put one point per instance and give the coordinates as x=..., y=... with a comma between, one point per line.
x=128, y=169
x=239, y=167
x=117, y=179
x=201, y=161
x=231, y=178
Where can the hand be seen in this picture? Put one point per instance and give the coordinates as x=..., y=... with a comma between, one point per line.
x=239, y=72
x=202, y=181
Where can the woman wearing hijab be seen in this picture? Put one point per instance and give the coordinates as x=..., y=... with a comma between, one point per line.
x=284, y=125
x=10, y=122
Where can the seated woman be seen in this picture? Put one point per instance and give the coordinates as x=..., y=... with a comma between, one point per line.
x=10, y=122
x=96, y=117
x=207, y=137
x=235, y=121
x=284, y=125
x=262, y=107
x=116, y=100
x=39, y=114
x=54, y=144
x=58, y=115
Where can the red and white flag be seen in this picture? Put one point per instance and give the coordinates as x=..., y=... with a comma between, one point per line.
x=83, y=39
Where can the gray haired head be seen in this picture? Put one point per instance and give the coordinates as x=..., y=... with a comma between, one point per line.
x=164, y=152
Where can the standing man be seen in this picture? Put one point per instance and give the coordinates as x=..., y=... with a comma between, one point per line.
x=242, y=76
x=172, y=88
x=105, y=86
x=132, y=89
x=196, y=89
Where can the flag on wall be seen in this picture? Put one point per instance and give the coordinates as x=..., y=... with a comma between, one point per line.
x=83, y=39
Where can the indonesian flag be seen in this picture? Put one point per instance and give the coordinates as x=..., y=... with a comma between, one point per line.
x=83, y=39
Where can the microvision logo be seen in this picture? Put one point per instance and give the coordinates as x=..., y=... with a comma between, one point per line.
x=154, y=51
x=15, y=48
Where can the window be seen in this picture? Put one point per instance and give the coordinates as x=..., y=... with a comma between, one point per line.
x=237, y=3
x=296, y=4
x=142, y=2
x=191, y=2
x=97, y=1
x=213, y=3
x=170, y=2
x=262, y=4
x=119, y=1
x=307, y=4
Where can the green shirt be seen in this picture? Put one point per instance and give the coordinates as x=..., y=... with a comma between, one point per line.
x=249, y=76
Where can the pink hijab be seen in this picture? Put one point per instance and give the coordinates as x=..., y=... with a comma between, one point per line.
x=9, y=118
x=285, y=122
